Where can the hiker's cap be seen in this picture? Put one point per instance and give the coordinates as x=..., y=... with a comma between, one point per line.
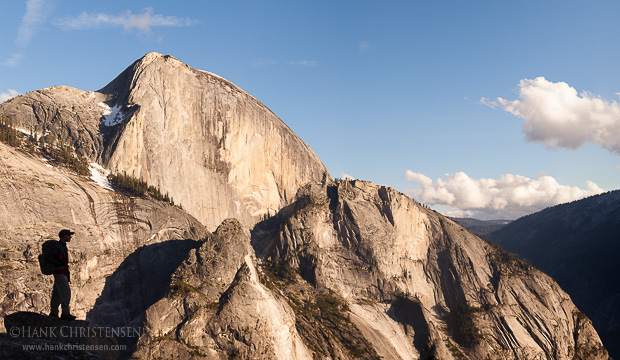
x=64, y=232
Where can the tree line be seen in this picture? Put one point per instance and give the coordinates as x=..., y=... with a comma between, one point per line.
x=64, y=154
x=139, y=187
x=8, y=134
x=47, y=145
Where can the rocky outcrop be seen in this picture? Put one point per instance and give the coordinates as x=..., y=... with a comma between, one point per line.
x=419, y=285
x=215, y=149
x=357, y=270
x=88, y=339
x=61, y=113
x=219, y=309
x=37, y=200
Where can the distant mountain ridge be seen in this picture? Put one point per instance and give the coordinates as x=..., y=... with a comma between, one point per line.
x=481, y=227
x=578, y=244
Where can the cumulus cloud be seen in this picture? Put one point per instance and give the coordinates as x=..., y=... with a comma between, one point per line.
x=558, y=116
x=9, y=94
x=35, y=16
x=508, y=197
x=141, y=22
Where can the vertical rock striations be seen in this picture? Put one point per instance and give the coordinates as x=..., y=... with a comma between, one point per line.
x=419, y=285
x=217, y=150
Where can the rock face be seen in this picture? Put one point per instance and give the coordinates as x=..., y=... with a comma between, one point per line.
x=214, y=148
x=419, y=285
x=577, y=244
x=63, y=113
x=37, y=200
x=218, y=308
x=357, y=270
x=341, y=270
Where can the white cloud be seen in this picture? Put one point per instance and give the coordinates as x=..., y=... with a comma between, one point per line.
x=345, y=176
x=462, y=214
x=556, y=115
x=8, y=95
x=142, y=22
x=508, y=197
x=36, y=14
x=303, y=63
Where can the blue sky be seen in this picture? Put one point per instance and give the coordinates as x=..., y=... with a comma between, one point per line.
x=489, y=109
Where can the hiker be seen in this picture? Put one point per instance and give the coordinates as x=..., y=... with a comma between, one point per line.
x=61, y=293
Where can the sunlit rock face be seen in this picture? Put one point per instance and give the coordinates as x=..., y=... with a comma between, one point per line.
x=215, y=149
x=419, y=285
x=37, y=200
x=218, y=151
x=61, y=114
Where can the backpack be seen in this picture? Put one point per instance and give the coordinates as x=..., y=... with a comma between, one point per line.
x=47, y=263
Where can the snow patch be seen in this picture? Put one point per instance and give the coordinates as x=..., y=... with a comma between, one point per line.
x=35, y=133
x=100, y=176
x=46, y=161
x=23, y=131
x=111, y=115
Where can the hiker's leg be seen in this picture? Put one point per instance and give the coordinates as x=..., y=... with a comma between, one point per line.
x=61, y=283
x=55, y=301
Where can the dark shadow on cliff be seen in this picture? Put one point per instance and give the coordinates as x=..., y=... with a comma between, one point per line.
x=409, y=313
x=141, y=280
x=265, y=234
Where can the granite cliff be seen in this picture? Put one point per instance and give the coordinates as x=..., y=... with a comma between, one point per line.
x=214, y=148
x=37, y=200
x=357, y=270
x=299, y=266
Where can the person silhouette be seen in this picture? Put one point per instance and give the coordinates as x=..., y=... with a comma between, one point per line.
x=61, y=292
